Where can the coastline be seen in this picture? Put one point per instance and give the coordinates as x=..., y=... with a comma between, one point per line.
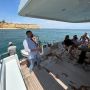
x=9, y=28
x=18, y=28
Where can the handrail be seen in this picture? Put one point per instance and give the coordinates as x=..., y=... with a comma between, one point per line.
x=45, y=42
x=2, y=77
x=49, y=42
x=3, y=54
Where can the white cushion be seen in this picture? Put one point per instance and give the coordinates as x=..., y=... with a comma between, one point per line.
x=24, y=53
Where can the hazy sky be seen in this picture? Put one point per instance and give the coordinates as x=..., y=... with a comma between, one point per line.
x=9, y=12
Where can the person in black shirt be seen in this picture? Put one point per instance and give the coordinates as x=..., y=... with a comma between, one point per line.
x=67, y=42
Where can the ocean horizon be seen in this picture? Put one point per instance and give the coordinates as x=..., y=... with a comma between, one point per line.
x=45, y=35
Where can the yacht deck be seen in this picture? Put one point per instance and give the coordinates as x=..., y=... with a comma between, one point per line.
x=72, y=76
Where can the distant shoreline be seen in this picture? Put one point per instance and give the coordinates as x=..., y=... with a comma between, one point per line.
x=9, y=28
x=17, y=28
x=7, y=25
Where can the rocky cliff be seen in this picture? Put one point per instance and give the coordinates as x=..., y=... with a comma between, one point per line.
x=19, y=26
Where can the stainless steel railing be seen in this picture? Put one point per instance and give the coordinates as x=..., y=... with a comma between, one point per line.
x=2, y=72
x=2, y=55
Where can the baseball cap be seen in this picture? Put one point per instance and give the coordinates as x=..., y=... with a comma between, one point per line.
x=10, y=43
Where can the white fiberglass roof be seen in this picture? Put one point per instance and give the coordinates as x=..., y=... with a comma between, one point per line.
x=61, y=10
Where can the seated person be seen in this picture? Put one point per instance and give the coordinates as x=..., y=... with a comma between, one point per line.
x=70, y=45
x=67, y=42
x=84, y=39
x=75, y=41
x=11, y=49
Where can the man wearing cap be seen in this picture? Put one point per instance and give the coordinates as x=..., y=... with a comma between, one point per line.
x=33, y=50
x=11, y=49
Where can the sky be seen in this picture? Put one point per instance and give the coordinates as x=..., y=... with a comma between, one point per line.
x=9, y=13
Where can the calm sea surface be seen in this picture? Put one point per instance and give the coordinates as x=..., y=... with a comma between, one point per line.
x=46, y=35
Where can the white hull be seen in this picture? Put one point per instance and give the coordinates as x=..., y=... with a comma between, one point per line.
x=10, y=74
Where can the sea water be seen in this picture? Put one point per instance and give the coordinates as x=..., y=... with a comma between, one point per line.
x=45, y=35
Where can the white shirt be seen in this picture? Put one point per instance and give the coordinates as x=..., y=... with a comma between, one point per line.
x=12, y=50
x=26, y=46
x=32, y=54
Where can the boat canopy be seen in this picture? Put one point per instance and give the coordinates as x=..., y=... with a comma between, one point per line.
x=62, y=10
